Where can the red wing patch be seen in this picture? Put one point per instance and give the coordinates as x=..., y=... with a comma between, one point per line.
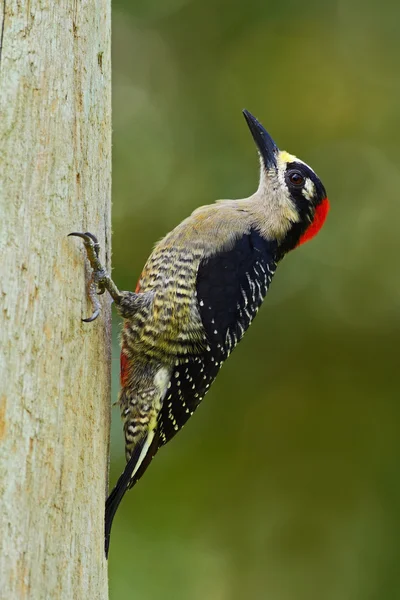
x=124, y=369
x=124, y=363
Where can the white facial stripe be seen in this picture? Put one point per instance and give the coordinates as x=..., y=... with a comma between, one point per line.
x=277, y=210
x=308, y=190
x=287, y=207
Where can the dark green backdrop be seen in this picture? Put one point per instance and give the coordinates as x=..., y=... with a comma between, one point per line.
x=285, y=484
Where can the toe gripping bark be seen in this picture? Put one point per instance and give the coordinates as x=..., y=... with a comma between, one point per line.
x=100, y=281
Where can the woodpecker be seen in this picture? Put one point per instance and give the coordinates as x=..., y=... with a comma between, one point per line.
x=198, y=293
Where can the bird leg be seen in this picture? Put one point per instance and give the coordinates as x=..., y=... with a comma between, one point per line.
x=100, y=280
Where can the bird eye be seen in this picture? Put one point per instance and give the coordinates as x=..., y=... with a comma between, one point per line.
x=296, y=178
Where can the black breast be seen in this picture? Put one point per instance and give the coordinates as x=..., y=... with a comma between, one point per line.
x=231, y=286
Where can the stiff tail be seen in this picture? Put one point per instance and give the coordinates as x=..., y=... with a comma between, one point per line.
x=135, y=467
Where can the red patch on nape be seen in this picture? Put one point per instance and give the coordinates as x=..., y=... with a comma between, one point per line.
x=319, y=219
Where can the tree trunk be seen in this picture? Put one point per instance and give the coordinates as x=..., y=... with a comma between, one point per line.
x=55, y=162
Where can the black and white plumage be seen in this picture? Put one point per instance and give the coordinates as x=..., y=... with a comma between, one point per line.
x=230, y=288
x=198, y=293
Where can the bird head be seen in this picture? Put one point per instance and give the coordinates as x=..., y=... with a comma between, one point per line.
x=294, y=201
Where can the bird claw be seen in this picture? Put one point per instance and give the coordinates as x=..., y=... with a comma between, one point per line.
x=93, y=317
x=100, y=281
x=90, y=241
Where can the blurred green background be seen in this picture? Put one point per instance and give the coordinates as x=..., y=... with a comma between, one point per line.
x=285, y=484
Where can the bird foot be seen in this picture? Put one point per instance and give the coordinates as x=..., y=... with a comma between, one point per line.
x=100, y=281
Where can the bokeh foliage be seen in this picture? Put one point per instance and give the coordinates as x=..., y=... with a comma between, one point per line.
x=285, y=484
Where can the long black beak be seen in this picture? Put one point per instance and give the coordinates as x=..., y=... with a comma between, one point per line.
x=265, y=144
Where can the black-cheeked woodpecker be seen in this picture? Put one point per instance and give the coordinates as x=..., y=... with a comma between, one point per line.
x=198, y=293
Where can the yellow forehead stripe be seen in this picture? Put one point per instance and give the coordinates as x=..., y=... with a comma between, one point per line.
x=284, y=157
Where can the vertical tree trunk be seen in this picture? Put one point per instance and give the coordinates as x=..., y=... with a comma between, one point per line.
x=55, y=161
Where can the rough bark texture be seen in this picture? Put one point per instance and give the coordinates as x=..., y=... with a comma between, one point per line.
x=55, y=151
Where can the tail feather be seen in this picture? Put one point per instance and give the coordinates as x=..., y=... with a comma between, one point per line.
x=133, y=471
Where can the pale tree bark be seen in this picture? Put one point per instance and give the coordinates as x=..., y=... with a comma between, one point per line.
x=55, y=161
